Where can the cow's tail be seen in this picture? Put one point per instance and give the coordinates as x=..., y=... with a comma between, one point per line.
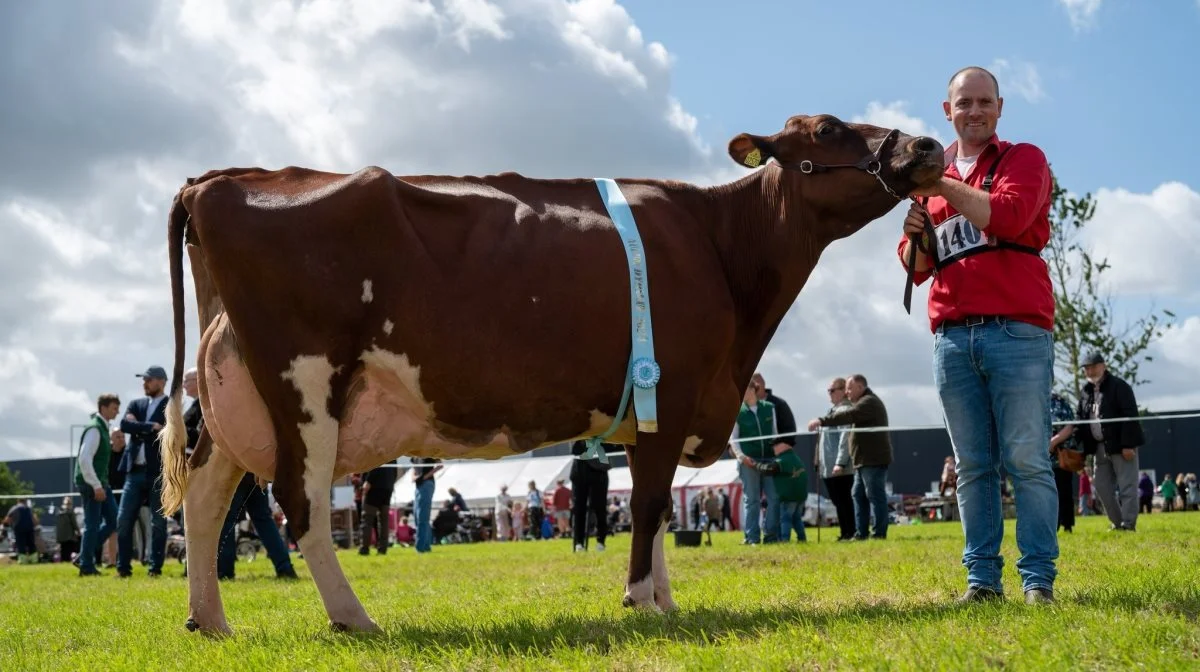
x=173, y=437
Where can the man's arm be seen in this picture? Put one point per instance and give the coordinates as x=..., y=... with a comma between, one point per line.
x=131, y=425
x=91, y=441
x=843, y=455
x=1018, y=192
x=1130, y=432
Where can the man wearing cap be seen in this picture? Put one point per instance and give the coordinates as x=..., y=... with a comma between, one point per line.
x=142, y=465
x=1114, y=444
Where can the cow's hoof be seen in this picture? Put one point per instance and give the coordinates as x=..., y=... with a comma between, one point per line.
x=369, y=627
x=640, y=605
x=191, y=625
x=221, y=630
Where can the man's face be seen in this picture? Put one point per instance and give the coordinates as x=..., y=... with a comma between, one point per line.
x=751, y=395
x=761, y=389
x=854, y=389
x=836, y=390
x=189, y=384
x=973, y=107
x=153, y=386
x=1094, y=371
x=110, y=411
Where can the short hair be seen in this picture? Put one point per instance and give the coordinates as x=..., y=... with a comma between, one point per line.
x=860, y=379
x=839, y=382
x=189, y=372
x=974, y=68
x=107, y=399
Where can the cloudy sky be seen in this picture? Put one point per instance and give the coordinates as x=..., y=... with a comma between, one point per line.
x=106, y=111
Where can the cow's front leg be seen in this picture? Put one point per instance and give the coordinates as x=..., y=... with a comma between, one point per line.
x=652, y=464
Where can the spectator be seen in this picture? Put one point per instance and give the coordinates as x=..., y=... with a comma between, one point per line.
x=142, y=464
x=1193, y=490
x=871, y=453
x=96, y=447
x=756, y=463
x=250, y=497
x=1064, y=480
x=561, y=500
x=712, y=512
x=1168, y=492
x=1145, y=490
x=589, y=487
x=791, y=484
x=537, y=510
x=23, y=522
x=66, y=530
x=1085, y=493
x=423, y=479
x=837, y=469
x=457, y=500
x=377, y=488
x=1114, y=444
x=502, y=512
x=405, y=533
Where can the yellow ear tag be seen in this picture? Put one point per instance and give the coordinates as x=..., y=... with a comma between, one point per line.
x=753, y=158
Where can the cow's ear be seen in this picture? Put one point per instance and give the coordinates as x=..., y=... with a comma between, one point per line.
x=751, y=151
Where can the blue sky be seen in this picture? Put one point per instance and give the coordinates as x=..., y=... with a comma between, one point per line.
x=111, y=108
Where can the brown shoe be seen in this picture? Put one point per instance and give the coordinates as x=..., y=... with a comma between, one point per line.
x=1039, y=596
x=980, y=594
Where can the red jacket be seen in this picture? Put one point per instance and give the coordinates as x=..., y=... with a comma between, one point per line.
x=1004, y=282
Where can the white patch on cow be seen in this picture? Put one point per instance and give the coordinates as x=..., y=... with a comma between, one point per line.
x=533, y=299
x=409, y=375
x=387, y=327
x=662, y=585
x=641, y=594
x=312, y=377
x=690, y=444
x=367, y=296
x=600, y=422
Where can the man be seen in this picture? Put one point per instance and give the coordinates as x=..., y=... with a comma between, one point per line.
x=870, y=452
x=24, y=523
x=991, y=309
x=756, y=463
x=142, y=465
x=91, y=478
x=250, y=498
x=837, y=469
x=561, y=500
x=1114, y=444
x=589, y=491
x=378, y=485
x=423, y=500
x=784, y=419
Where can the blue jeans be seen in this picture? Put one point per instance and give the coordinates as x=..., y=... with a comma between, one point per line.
x=422, y=502
x=870, y=497
x=994, y=382
x=139, y=490
x=791, y=517
x=95, y=532
x=754, y=486
x=254, y=500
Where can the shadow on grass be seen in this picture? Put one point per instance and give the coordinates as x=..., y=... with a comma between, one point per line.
x=1163, y=600
x=703, y=625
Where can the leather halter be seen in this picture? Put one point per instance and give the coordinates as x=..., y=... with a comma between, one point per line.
x=870, y=163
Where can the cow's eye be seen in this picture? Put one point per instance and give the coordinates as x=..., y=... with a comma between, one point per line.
x=825, y=129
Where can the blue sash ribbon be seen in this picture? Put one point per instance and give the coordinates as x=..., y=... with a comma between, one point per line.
x=643, y=373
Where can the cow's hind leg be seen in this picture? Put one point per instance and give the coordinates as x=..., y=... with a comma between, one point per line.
x=210, y=489
x=302, y=489
x=652, y=463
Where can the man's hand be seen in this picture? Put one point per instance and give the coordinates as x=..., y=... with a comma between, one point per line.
x=934, y=189
x=129, y=417
x=780, y=443
x=814, y=424
x=837, y=469
x=98, y=494
x=1127, y=453
x=914, y=221
x=747, y=461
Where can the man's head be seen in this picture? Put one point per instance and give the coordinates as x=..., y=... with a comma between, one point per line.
x=1094, y=367
x=154, y=380
x=856, y=385
x=751, y=396
x=973, y=105
x=189, y=383
x=108, y=405
x=855, y=173
x=758, y=380
x=837, y=390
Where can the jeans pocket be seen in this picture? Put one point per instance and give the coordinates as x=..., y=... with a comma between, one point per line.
x=1023, y=330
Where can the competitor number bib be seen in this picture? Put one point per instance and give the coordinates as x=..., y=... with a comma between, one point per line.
x=957, y=237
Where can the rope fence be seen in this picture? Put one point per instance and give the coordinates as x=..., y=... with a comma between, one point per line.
x=847, y=428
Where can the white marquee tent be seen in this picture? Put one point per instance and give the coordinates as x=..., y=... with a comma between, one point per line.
x=479, y=481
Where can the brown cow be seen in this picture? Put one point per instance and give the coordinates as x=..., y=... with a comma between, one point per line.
x=351, y=319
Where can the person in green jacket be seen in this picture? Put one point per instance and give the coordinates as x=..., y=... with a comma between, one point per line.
x=1168, y=492
x=91, y=477
x=791, y=486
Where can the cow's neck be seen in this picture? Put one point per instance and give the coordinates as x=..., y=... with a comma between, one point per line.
x=767, y=253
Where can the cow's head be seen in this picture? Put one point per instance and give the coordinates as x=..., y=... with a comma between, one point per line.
x=848, y=174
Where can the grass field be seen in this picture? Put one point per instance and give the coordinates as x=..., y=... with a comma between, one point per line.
x=1126, y=601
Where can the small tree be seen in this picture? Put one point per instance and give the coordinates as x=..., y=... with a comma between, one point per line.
x=11, y=483
x=1083, y=316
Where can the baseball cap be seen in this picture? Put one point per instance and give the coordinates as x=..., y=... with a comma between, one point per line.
x=153, y=372
x=1093, y=357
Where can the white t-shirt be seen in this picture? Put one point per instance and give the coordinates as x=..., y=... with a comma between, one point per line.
x=965, y=165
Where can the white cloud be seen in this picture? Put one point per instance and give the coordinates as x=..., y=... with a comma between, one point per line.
x=1149, y=239
x=895, y=115
x=1022, y=78
x=1081, y=12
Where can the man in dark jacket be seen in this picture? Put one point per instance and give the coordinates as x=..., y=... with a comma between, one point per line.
x=142, y=465
x=871, y=453
x=378, y=485
x=1114, y=444
x=784, y=418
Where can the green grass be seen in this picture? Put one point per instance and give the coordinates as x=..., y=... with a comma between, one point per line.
x=1126, y=601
